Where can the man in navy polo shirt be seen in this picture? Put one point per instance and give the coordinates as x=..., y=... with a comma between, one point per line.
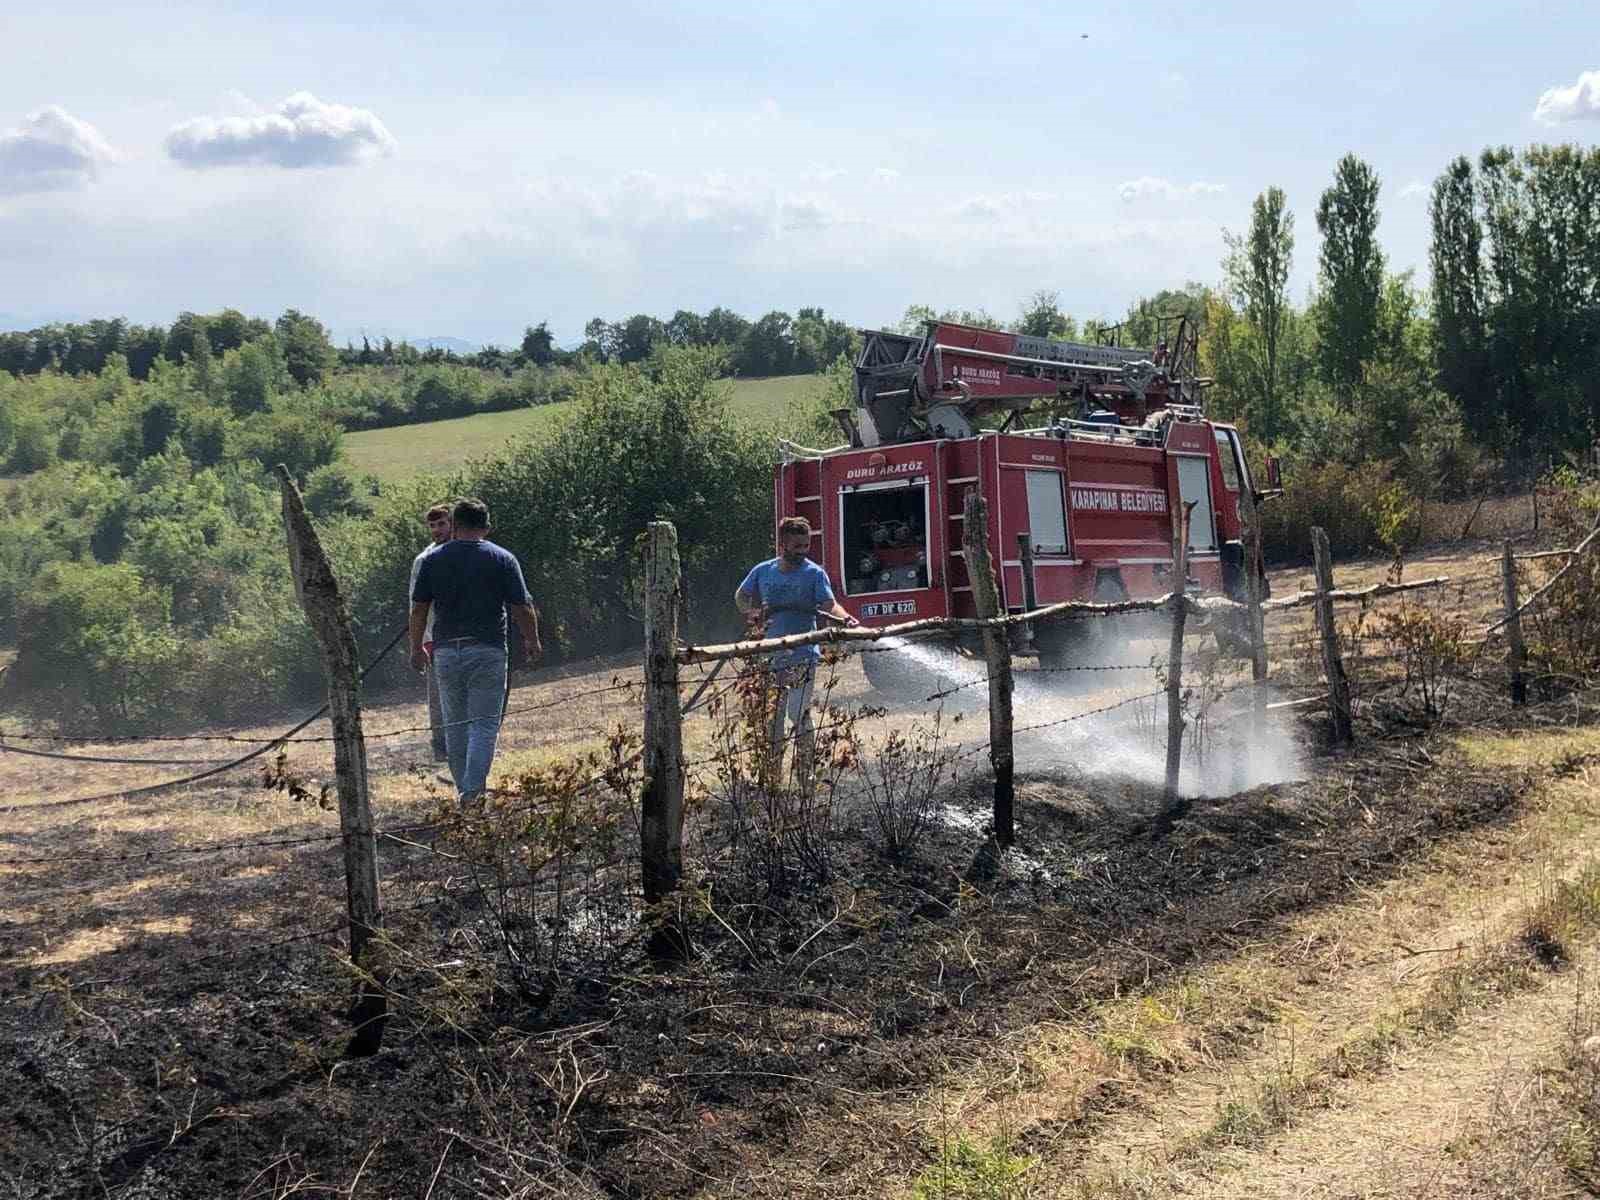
x=786, y=594
x=468, y=585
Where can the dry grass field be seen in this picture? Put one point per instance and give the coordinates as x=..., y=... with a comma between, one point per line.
x=1370, y=976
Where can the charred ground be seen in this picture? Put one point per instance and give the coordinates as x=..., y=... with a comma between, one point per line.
x=164, y=1071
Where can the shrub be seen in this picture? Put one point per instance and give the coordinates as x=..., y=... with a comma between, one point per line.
x=1348, y=502
x=331, y=491
x=1563, y=629
x=92, y=640
x=543, y=855
x=298, y=441
x=572, y=504
x=1432, y=648
x=33, y=440
x=899, y=782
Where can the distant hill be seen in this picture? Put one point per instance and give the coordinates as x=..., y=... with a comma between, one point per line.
x=454, y=345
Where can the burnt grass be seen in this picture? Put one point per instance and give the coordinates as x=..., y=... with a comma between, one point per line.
x=172, y=1069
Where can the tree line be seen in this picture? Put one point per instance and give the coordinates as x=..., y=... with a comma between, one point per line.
x=775, y=344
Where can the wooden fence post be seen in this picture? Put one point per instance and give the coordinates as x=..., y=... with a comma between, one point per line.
x=1516, y=652
x=1253, y=562
x=325, y=609
x=1030, y=592
x=997, y=652
x=1180, y=611
x=1332, y=663
x=661, y=807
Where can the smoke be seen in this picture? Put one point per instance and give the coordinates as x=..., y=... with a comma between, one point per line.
x=1106, y=723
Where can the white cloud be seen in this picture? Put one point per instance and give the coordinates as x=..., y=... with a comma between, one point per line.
x=1145, y=185
x=1579, y=102
x=51, y=151
x=822, y=173
x=303, y=132
x=1151, y=187
x=999, y=206
x=1415, y=188
x=804, y=214
x=886, y=174
x=979, y=208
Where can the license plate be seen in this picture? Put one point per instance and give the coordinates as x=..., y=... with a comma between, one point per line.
x=890, y=608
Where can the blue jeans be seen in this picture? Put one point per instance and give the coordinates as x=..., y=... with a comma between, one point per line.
x=472, y=687
x=792, y=711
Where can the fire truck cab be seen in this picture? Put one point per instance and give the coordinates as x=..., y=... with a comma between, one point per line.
x=1093, y=489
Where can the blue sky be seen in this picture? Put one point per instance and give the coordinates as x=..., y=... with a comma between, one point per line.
x=429, y=170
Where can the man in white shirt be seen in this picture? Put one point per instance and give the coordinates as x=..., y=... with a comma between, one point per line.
x=440, y=529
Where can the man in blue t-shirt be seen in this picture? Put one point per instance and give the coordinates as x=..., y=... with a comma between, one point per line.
x=785, y=595
x=468, y=585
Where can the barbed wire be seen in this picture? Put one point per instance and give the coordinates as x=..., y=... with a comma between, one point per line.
x=103, y=759
x=115, y=739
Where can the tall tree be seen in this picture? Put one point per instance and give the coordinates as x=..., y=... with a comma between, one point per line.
x=307, y=353
x=767, y=348
x=1350, y=272
x=1543, y=284
x=1152, y=319
x=1042, y=317
x=601, y=337
x=686, y=328
x=725, y=327
x=637, y=336
x=539, y=344
x=1257, y=271
x=819, y=340
x=1455, y=259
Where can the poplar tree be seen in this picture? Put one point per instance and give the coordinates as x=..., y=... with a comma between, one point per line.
x=1350, y=276
x=1257, y=271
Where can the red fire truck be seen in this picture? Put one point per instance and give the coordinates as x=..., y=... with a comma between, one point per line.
x=1124, y=440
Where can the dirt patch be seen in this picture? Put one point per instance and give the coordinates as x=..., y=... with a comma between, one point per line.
x=740, y=1072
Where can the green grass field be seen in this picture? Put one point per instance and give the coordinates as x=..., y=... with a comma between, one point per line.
x=395, y=454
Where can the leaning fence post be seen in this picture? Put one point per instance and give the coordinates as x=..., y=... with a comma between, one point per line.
x=1516, y=652
x=1180, y=611
x=661, y=806
x=1332, y=663
x=325, y=609
x=997, y=652
x=1253, y=563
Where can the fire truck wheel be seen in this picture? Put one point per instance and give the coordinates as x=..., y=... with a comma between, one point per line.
x=1063, y=644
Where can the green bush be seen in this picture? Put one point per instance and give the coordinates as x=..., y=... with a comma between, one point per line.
x=94, y=643
x=33, y=440
x=1349, y=502
x=297, y=440
x=331, y=491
